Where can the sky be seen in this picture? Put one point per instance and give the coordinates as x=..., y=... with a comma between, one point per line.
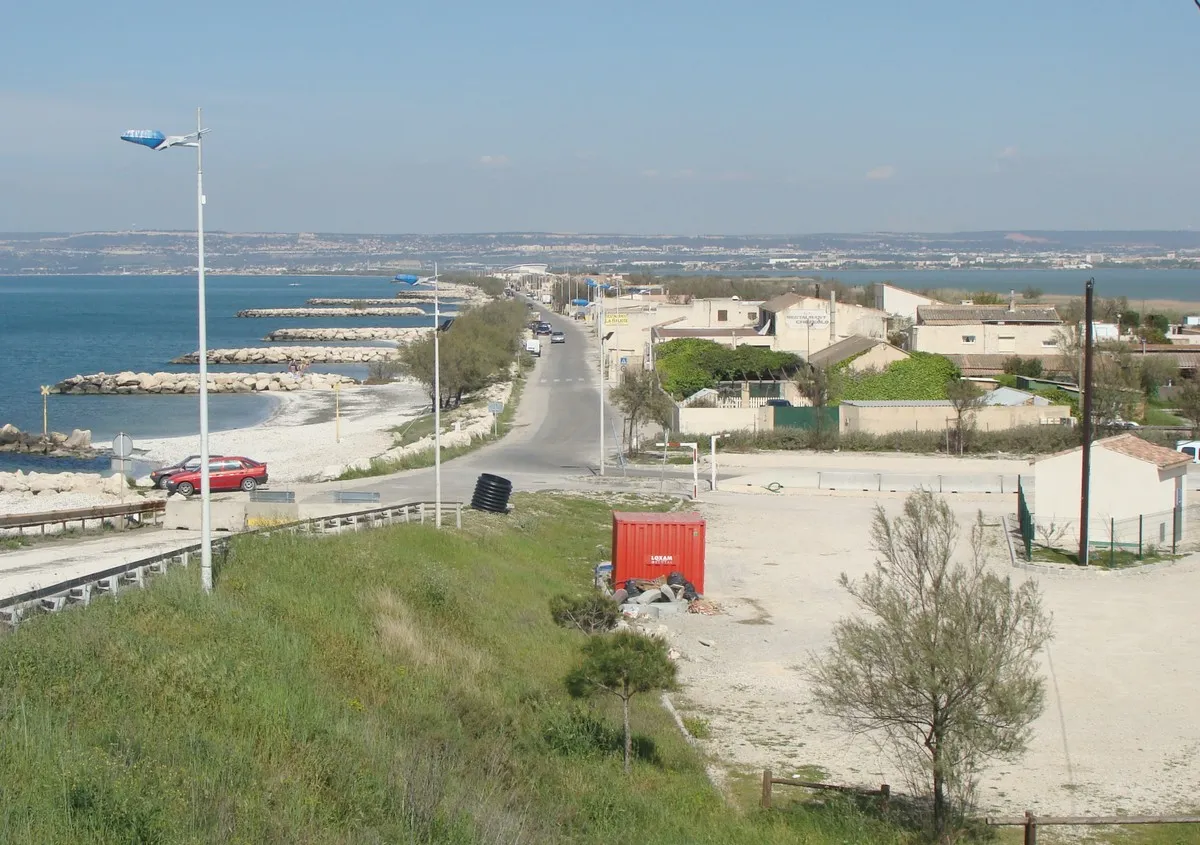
x=650, y=117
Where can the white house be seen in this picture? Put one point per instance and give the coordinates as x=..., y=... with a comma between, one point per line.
x=1024, y=330
x=1130, y=478
x=898, y=302
x=806, y=324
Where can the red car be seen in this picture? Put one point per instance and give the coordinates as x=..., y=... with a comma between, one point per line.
x=223, y=474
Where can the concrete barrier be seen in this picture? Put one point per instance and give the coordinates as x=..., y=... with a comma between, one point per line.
x=227, y=514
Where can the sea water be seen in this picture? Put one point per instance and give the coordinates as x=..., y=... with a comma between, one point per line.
x=54, y=327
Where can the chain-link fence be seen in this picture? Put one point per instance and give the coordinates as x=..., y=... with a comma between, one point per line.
x=1111, y=542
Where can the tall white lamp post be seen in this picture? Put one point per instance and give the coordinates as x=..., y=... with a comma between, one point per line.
x=437, y=388
x=155, y=140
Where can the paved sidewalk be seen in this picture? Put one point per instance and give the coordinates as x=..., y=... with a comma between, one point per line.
x=55, y=561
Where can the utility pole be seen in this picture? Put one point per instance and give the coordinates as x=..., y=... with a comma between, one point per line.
x=1085, y=479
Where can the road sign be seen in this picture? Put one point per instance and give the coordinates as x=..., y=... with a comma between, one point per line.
x=495, y=407
x=624, y=362
x=122, y=446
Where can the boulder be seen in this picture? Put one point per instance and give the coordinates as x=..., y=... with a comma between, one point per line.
x=79, y=439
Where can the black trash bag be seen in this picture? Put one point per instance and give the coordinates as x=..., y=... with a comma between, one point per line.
x=632, y=590
x=676, y=579
x=689, y=591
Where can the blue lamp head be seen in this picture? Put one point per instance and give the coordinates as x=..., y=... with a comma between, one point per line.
x=151, y=138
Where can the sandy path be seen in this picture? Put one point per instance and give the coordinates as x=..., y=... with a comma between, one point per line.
x=1119, y=732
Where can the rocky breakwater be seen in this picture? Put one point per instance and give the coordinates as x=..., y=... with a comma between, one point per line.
x=161, y=383
x=76, y=444
x=355, y=303
x=284, y=354
x=381, y=333
x=61, y=482
x=397, y=311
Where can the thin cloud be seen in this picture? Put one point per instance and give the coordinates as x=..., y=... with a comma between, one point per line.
x=881, y=173
x=1008, y=153
x=494, y=161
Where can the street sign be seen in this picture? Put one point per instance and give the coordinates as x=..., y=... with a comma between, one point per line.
x=495, y=407
x=624, y=362
x=616, y=319
x=122, y=446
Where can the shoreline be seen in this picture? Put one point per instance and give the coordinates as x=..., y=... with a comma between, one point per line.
x=299, y=440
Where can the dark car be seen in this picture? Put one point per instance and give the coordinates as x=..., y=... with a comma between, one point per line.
x=543, y=328
x=778, y=403
x=558, y=337
x=159, y=476
x=223, y=474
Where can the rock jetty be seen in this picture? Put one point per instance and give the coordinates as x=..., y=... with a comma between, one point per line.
x=76, y=444
x=399, y=311
x=139, y=383
x=358, y=303
x=284, y=354
x=382, y=333
x=61, y=482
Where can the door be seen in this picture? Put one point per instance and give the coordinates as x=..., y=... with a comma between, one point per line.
x=1007, y=343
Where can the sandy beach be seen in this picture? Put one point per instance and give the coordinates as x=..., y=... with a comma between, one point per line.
x=300, y=439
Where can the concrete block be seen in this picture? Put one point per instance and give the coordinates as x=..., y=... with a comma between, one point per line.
x=227, y=514
x=670, y=608
x=266, y=514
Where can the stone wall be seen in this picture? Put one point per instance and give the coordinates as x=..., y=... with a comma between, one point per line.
x=398, y=311
x=138, y=383
x=351, y=334
x=284, y=354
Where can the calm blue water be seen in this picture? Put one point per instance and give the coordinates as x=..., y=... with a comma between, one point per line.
x=53, y=327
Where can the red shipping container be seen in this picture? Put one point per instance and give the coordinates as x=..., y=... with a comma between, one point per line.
x=649, y=545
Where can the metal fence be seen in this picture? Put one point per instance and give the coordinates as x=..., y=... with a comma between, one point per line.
x=1115, y=542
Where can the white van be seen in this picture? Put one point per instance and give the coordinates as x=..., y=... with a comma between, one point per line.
x=1191, y=448
x=533, y=346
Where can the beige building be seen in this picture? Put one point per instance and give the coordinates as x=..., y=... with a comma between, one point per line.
x=1027, y=331
x=886, y=417
x=1130, y=478
x=805, y=324
x=863, y=353
x=898, y=302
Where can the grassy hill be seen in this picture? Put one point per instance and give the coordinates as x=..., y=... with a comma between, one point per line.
x=399, y=685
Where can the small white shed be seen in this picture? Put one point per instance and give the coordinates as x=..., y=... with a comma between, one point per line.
x=1133, y=482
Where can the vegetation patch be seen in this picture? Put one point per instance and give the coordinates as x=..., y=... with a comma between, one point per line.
x=921, y=376
x=687, y=365
x=399, y=685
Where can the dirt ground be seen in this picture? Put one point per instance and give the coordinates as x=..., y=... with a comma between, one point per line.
x=1119, y=734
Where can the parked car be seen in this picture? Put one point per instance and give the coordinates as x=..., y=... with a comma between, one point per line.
x=558, y=337
x=543, y=328
x=224, y=473
x=159, y=476
x=778, y=403
x=1191, y=448
x=534, y=347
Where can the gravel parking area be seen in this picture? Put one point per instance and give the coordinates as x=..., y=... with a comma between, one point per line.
x=1119, y=733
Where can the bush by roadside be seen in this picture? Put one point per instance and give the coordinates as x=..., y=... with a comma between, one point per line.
x=1031, y=440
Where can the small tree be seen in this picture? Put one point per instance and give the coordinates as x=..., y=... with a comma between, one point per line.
x=1032, y=293
x=818, y=385
x=1188, y=402
x=642, y=399
x=966, y=399
x=944, y=664
x=622, y=664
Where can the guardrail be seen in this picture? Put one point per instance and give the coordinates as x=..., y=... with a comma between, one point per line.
x=81, y=589
x=21, y=521
x=884, y=792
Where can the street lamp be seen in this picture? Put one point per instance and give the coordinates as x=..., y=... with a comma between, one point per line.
x=437, y=388
x=155, y=140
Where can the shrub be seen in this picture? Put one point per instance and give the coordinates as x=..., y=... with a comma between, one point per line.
x=592, y=614
x=690, y=364
x=921, y=376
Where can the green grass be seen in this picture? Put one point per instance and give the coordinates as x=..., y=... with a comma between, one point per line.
x=423, y=427
x=398, y=685
x=1160, y=416
x=1101, y=556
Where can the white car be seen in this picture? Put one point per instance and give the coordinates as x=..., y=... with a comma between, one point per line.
x=1191, y=448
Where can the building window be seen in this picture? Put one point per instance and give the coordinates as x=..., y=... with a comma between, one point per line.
x=1050, y=343
x=722, y=316
x=968, y=338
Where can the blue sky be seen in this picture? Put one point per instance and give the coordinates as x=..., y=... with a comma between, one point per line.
x=641, y=117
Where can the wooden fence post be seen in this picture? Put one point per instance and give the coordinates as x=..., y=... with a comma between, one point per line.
x=766, y=789
x=885, y=795
x=1030, y=828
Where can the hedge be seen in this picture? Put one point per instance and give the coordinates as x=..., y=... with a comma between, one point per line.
x=920, y=376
